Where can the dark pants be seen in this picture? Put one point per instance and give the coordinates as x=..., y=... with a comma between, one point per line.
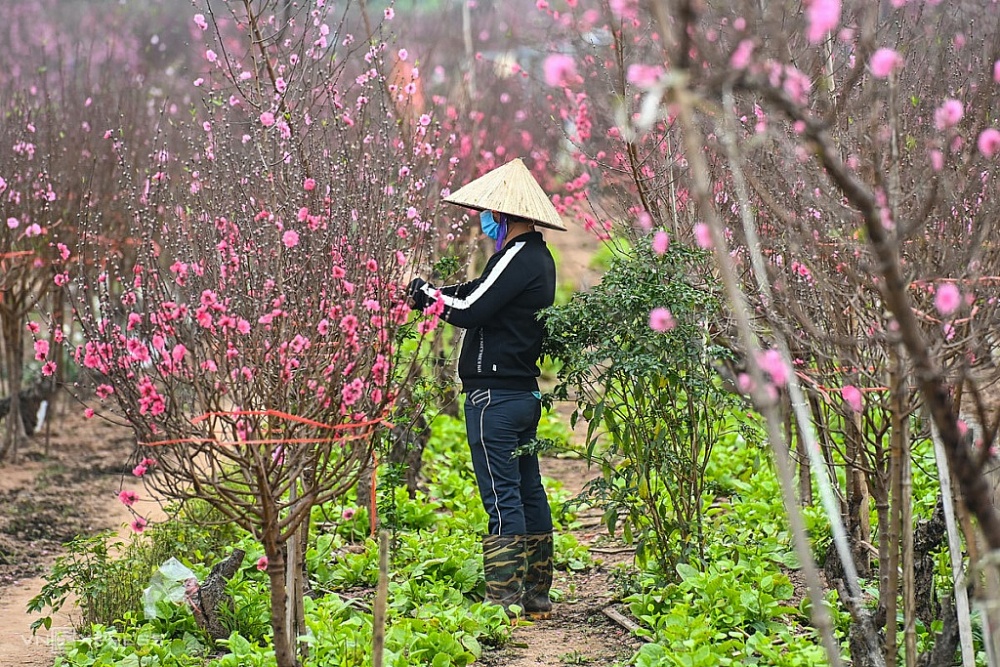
x=498, y=421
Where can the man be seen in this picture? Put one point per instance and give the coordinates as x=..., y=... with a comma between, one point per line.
x=498, y=366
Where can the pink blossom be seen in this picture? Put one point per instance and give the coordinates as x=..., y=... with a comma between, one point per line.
x=309, y=184
x=139, y=470
x=290, y=238
x=823, y=16
x=353, y=391
x=34, y=229
x=643, y=75
x=267, y=119
x=138, y=525
x=989, y=142
x=852, y=396
x=262, y=563
x=349, y=324
x=948, y=114
x=660, y=242
x=425, y=120
x=884, y=62
x=148, y=462
x=88, y=413
x=389, y=13
x=48, y=368
x=623, y=9
x=559, y=68
x=12, y=223
x=661, y=319
x=996, y=71
x=199, y=20
x=703, y=236
x=41, y=349
x=348, y=513
x=741, y=56
x=403, y=54
x=937, y=160
x=33, y=327
x=128, y=498
x=197, y=83
x=211, y=56
x=177, y=354
x=947, y=298
x=770, y=362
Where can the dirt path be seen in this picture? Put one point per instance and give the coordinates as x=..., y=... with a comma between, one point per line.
x=47, y=500
x=579, y=633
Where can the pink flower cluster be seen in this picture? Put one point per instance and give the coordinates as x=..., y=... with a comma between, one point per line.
x=822, y=17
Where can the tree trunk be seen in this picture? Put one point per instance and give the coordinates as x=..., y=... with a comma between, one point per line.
x=212, y=598
x=805, y=472
x=895, y=522
x=858, y=500
x=13, y=339
x=909, y=590
x=284, y=643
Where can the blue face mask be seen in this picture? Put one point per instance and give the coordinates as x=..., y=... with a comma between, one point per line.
x=493, y=229
x=490, y=226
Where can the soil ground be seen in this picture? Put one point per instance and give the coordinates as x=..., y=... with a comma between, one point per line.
x=51, y=495
x=579, y=632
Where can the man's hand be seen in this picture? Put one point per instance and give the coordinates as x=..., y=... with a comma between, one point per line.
x=415, y=295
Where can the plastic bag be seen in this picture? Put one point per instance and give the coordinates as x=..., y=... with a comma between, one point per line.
x=173, y=582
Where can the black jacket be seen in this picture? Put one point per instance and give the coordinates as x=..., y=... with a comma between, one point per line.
x=500, y=310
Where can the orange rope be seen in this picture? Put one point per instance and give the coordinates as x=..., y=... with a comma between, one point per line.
x=277, y=441
x=283, y=415
x=271, y=441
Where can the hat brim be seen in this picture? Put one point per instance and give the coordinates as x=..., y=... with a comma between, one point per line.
x=509, y=189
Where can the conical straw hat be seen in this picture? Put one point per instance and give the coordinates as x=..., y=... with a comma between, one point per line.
x=509, y=189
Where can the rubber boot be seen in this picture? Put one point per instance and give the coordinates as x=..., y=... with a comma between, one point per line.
x=503, y=565
x=538, y=578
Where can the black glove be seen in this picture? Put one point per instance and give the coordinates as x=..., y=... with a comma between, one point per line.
x=416, y=294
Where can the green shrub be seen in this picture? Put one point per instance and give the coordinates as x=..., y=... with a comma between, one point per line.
x=653, y=400
x=107, y=574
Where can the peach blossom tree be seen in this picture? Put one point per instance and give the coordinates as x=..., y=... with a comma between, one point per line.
x=252, y=342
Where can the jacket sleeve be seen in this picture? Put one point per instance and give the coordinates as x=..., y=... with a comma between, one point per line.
x=474, y=303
